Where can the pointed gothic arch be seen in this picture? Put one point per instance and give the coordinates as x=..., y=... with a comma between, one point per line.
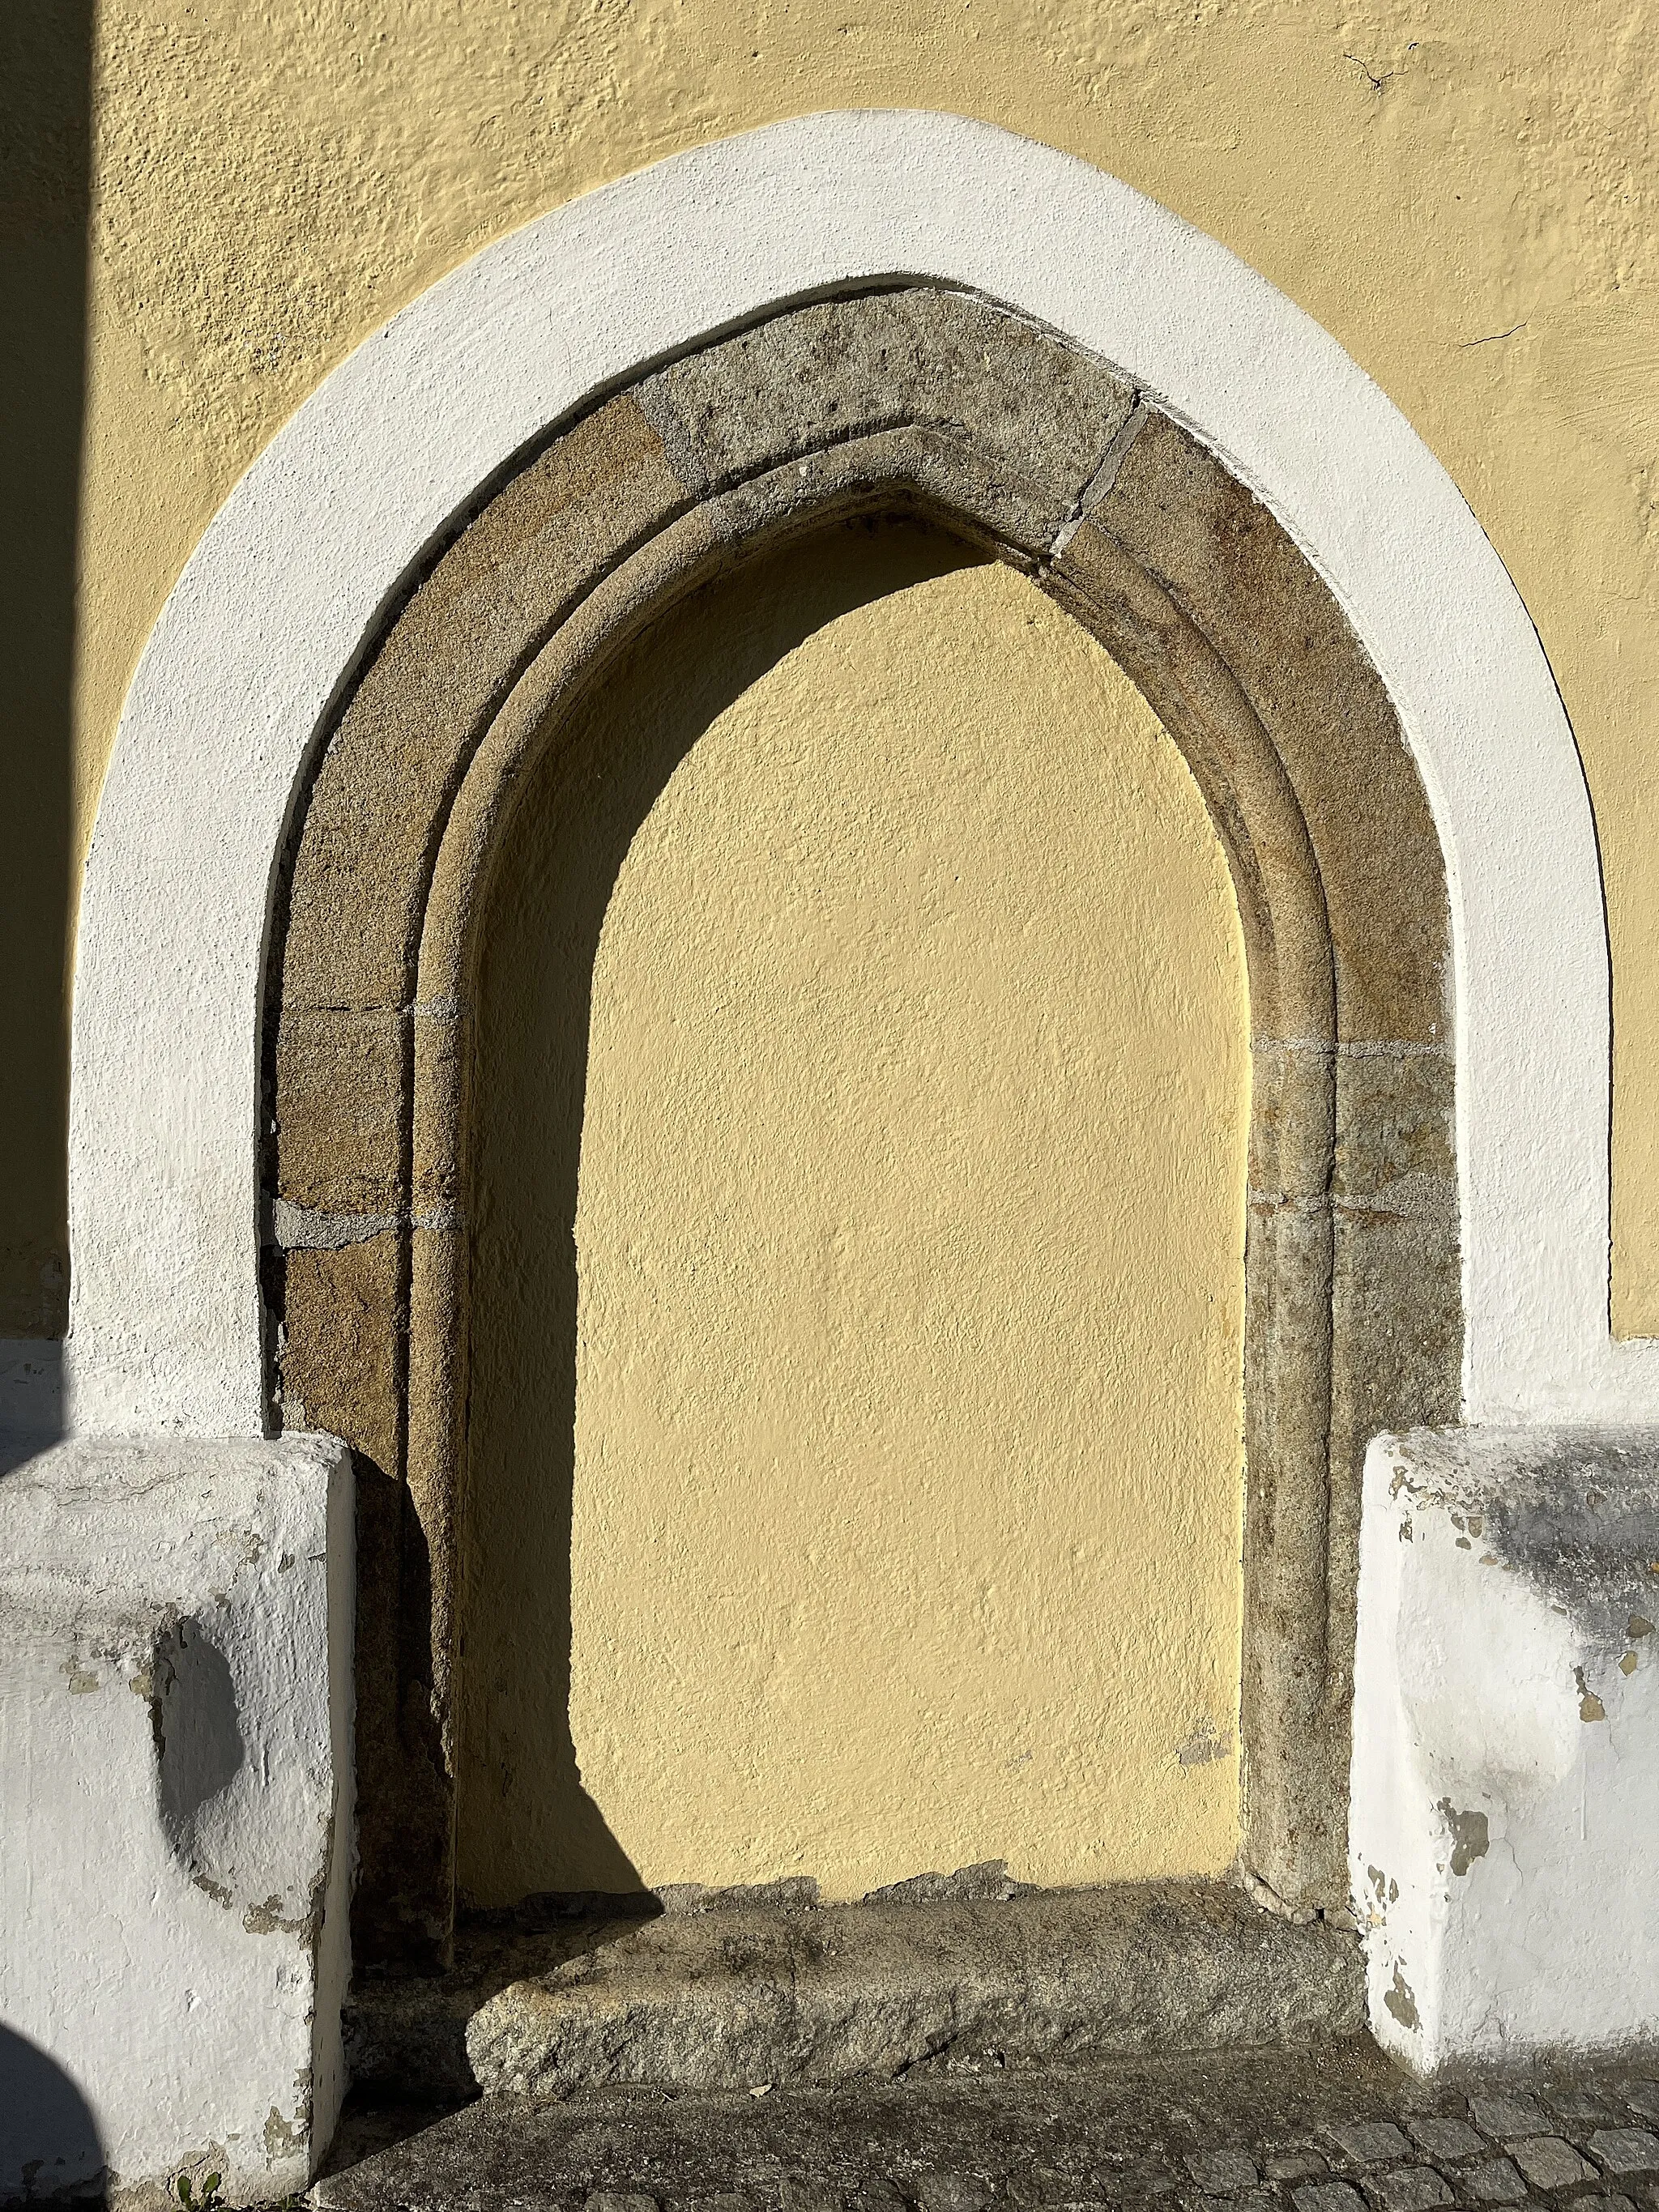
x=926, y=400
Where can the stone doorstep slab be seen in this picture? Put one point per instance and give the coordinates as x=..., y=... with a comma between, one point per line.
x=752, y=1995
x=1334, y=2129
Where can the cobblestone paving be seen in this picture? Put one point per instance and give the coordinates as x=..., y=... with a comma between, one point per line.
x=1336, y=2131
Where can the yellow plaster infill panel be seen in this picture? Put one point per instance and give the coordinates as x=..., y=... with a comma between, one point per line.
x=871, y=1460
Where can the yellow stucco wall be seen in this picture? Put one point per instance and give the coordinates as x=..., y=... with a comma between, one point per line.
x=269, y=183
x=870, y=1465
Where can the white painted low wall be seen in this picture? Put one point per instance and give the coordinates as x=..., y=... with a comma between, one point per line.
x=175, y=1812
x=1504, y=1834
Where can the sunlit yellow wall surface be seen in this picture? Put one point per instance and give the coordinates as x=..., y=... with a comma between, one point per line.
x=900, y=1338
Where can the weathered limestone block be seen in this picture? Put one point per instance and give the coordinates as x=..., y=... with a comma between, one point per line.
x=339, y=1363
x=339, y=1073
x=747, y=1995
x=937, y=475
x=1238, y=576
x=425, y=698
x=1504, y=1834
x=176, y=1777
x=845, y=368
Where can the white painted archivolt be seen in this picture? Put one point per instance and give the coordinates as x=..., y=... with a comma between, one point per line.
x=288, y=584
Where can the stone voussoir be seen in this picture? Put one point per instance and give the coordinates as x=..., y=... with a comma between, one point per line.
x=846, y=369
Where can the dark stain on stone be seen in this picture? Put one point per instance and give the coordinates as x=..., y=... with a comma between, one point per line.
x=1573, y=1511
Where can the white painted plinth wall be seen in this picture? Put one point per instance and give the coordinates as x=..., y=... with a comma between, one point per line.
x=1504, y=1832
x=175, y=1813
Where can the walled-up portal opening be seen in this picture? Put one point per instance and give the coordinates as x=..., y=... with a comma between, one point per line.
x=855, y=1449
x=1008, y=1328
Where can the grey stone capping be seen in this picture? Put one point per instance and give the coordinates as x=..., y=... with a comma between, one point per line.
x=855, y=1991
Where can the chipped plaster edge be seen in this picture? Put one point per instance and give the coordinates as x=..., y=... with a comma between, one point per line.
x=291, y=577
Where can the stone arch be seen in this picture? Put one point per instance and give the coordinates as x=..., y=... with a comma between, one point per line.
x=924, y=399
x=290, y=583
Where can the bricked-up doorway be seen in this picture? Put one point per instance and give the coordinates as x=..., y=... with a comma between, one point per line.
x=858, y=1230
x=932, y=403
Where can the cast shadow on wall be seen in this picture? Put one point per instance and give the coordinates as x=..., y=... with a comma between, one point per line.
x=525, y=1823
x=45, y=134
x=50, y=2149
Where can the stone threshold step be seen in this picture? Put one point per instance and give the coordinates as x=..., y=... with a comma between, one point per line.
x=1338, y=2130
x=741, y=1995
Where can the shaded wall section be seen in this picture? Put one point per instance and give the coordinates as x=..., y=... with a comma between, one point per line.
x=855, y=1481
x=45, y=61
x=49, y=2139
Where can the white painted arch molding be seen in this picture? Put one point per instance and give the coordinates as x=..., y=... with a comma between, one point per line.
x=292, y=576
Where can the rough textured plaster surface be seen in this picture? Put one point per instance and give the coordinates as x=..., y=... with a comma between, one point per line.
x=1468, y=206
x=902, y=1342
